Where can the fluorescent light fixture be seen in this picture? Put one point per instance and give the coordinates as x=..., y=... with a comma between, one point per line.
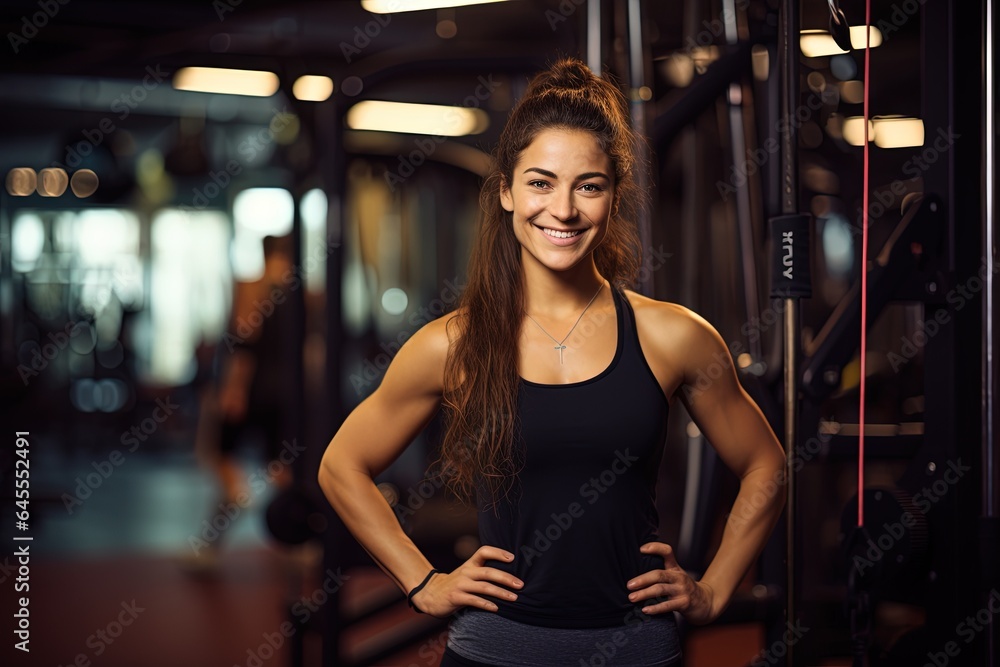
x=898, y=131
x=226, y=81
x=416, y=118
x=818, y=43
x=264, y=211
x=858, y=36
x=312, y=88
x=396, y=6
x=27, y=241
x=854, y=130
x=886, y=131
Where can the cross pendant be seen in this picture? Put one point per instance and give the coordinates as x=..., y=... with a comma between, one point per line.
x=560, y=348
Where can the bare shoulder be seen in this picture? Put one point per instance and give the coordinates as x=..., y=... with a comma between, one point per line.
x=420, y=362
x=672, y=320
x=675, y=340
x=437, y=336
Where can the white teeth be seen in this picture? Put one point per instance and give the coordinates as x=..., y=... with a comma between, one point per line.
x=560, y=235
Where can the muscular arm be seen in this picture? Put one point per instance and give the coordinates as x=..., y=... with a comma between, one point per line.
x=737, y=429
x=371, y=438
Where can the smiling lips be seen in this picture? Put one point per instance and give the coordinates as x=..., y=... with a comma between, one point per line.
x=560, y=237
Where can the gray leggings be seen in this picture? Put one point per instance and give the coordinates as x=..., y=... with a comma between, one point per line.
x=479, y=638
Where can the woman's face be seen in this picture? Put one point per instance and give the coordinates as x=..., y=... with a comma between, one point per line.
x=561, y=195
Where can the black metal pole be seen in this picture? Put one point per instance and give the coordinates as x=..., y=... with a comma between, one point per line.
x=990, y=530
x=329, y=124
x=785, y=241
x=637, y=83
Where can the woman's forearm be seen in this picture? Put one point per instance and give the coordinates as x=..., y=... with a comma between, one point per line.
x=755, y=512
x=367, y=515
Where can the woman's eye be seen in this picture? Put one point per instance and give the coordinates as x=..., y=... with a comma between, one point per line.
x=591, y=187
x=536, y=184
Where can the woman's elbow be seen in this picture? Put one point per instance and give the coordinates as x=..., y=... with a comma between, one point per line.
x=327, y=476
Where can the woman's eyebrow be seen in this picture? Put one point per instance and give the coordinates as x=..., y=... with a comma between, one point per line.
x=589, y=174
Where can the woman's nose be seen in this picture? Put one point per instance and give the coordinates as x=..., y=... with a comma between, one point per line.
x=562, y=206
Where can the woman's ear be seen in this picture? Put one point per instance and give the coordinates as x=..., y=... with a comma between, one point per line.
x=506, y=199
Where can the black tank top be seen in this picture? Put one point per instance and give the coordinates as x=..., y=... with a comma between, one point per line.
x=585, y=502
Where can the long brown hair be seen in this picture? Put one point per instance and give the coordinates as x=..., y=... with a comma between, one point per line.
x=481, y=374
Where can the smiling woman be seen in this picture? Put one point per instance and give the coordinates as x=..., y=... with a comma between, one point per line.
x=578, y=205
x=556, y=382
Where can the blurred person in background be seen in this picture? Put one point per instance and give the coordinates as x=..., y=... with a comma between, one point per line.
x=557, y=436
x=250, y=398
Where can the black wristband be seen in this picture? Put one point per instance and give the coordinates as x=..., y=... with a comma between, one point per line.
x=409, y=596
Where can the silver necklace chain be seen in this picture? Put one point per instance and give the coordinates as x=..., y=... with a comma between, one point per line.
x=559, y=343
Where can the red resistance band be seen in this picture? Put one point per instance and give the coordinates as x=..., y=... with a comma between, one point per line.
x=864, y=277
